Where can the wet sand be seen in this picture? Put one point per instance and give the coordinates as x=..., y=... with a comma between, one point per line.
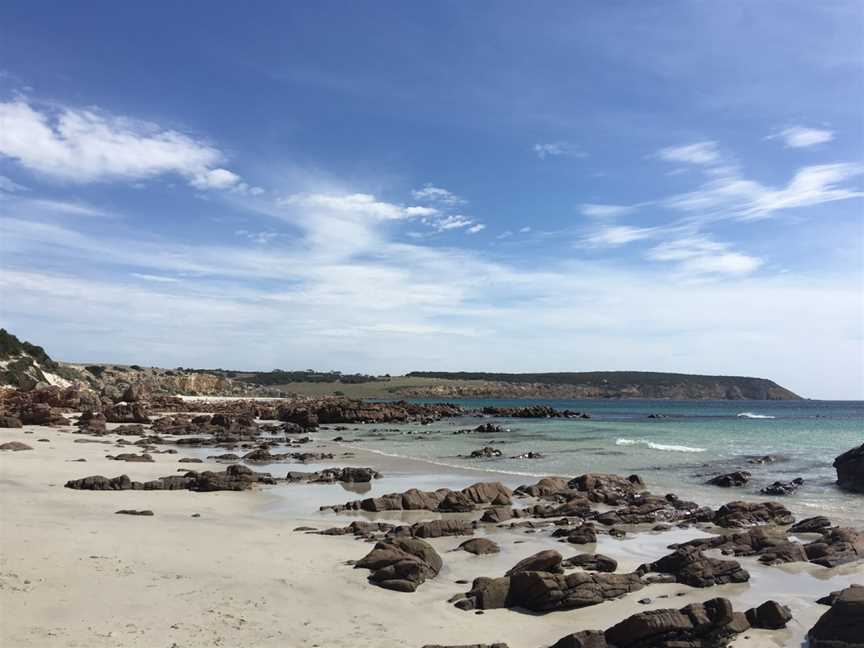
x=72, y=573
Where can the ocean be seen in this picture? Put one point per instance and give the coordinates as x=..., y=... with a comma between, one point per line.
x=676, y=450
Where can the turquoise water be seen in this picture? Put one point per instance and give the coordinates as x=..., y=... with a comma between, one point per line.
x=677, y=453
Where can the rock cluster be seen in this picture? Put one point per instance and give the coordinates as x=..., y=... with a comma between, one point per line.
x=401, y=564
x=234, y=478
x=443, y=500
x=690, y=566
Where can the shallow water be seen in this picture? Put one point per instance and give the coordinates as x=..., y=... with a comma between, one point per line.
x=693, y=441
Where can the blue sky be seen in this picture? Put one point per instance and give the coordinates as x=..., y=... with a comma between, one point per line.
x=381, y=187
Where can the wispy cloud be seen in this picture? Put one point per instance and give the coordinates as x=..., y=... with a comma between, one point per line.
x=701, y=153
x=701, y=255
x=605, y=211
x=475, y=229
x=430, y=193
x=558, y=149
x=803, y=137
x=620, y=235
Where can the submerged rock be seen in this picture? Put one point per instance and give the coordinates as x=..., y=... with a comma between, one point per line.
x=730, y=480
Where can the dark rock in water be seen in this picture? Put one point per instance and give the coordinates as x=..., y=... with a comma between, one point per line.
x=131, y=456
x=10, y=422
x=842, y=626
x=15, y=446
x=401, y=564
x=480, y=546
x=838, y=546
x=545, y=561
x=783, y=488
x=691, y=567
x=850, y=470
x=134, y=512
x=529, y=455
x=741, y=514
x=811, y=525
x=769, y=616
x=489, y=428
x=592, y=562
x=766, y=459
x=225, y=457
x=485, y=453
x=730, y=480
x=582, y=534
x=190, y=460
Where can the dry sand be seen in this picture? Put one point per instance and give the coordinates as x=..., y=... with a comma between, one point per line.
x=73, y=573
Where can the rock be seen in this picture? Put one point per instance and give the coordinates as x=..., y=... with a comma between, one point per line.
x=92, y=423
x=358, y=528
x=582, y=639
x=699, y=624
x=833, y=596
x=480, y=546
x=442, y=500
x=401, y=564
x=811, y=525
x=495, y=645
x=605, y=488
x=489, y=428
x=766, y=459
x=488, y=493
x=769, y=543
x=850, y=470
x=544, y=487
x=542, y=591
x=127, y=413
x=485, y=453
x=838, y=545
x=545, y=561
x=582, y=534
x=130, y=456
x=741, y=514
x=98, y=482
x=769, y=616
x=436, y=529
x=529, y=455
x=10, y=422
x=190, y=460
x=592, y=562
x=225, y=457
x=134, y=512
x=842, y=626
x=730, y=480
x=691, y=567
x=497, y=514
x=783, y=488
x=15, y=446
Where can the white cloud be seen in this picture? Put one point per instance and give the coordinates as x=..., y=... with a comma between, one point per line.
x=474, y=229
x=356, y=204
x=701, y=153
x=700, y=255
x=431, y=193
x=154, y=278
x=619, y=235
x=64, y=207
x=453, y=222
x=525, y=230
x=89, y=146
x=803, y=137
x=604, y=211
x=558, y=149
x=6, y=184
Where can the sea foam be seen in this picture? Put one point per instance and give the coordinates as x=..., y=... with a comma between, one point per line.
x=665, y=447
x=751, y=415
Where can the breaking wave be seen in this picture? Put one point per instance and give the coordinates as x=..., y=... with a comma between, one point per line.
x=658, y=446
x=751, y=415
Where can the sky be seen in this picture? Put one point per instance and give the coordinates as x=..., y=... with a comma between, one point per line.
x=385, y=187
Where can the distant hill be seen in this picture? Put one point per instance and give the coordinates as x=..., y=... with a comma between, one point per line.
x=616, y=384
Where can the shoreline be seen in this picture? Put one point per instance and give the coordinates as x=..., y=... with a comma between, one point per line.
x=72, y=572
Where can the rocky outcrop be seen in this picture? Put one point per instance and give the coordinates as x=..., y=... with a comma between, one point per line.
x=850, y=470
x=743, y=514
x=443, y=500
x=843, y=625
x=435, y=529
x=349, y=475
x=10, y=422
x=545, y=561
x=540, y=591
x=769, y=543
x=401, y=564
x=711, y=624
x=731, y=480
x=838, y=546
x=690, y=566
x=769, y=616
x=234, y=478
